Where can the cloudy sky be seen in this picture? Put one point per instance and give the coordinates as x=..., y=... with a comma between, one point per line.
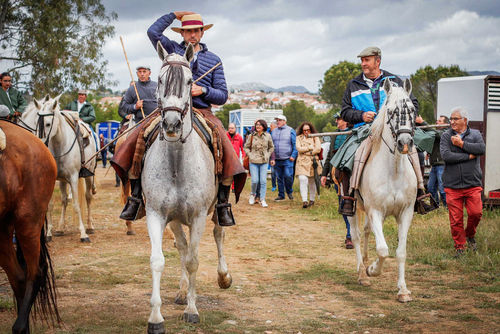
x=281, y=43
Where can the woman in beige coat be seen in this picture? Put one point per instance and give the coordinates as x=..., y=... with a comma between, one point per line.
x=258, y=147
x=309, y=149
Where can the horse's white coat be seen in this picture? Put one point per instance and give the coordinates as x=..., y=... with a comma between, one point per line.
x=388, y=187
x=60, y=140
x=180, y=189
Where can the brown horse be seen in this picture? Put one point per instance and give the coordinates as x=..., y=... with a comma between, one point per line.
x=125, y=193
x=27, y=179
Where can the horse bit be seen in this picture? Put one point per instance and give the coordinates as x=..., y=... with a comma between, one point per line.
x=183, y=112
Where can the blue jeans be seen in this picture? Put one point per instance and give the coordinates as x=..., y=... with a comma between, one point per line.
x=436, y=182
x=284, y=176
x=273, y=177
x=347, y=225
x=103, y=155
x=259, y=179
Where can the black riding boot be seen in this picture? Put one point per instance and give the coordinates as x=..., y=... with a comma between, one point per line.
x=421, y=206
x=134, y=209
x=347, y=206
x=223, y=207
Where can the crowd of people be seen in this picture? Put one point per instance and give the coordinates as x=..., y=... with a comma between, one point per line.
x=455, y=176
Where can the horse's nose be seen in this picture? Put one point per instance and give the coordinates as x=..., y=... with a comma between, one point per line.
x=404, y=145
x=172, y=127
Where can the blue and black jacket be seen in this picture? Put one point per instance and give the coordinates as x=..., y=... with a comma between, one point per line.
x=358, y=98
x=214, y=82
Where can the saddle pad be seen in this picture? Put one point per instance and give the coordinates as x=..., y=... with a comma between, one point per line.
x=3, y=140
x=84, y=129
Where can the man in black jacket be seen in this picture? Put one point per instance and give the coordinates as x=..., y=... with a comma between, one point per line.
x=147, y=94
x=460, y=148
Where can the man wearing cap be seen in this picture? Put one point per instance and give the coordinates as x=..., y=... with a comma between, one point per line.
x=11, y=97
x=285, y=154
x=211, y=89
x=146, y=88
x=85, y=109
x=363, y=97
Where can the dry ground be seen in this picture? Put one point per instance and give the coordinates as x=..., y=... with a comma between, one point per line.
x=291, y=274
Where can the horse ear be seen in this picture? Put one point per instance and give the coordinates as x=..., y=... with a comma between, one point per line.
x=46, y=98
x=38, y=105
x=58, y=97
x=189, y=54
x=387, y=86
x=54, y=104
x=162, y=53
x=407, y=86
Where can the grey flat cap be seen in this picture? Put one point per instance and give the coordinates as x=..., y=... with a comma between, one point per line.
x=4, y=111
x=370, y=51
x=147, y=67
x=82, y=91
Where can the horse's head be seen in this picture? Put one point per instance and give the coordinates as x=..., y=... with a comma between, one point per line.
x=46, y=117
x=400, y=114
x=174, y=91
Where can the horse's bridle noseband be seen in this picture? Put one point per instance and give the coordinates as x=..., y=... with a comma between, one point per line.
x=188, y=107
x=396, y=131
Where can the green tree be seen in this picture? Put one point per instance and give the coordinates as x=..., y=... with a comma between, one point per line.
x=329, y=128
x=223, y=114
x=424, y=83
x=321, y=120
x=296, y=112
x=55, y=45
x=332, y=87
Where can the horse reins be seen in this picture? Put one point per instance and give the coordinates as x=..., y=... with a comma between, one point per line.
x=41, y=131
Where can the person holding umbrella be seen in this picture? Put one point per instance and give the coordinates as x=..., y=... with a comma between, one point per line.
x=308, y=168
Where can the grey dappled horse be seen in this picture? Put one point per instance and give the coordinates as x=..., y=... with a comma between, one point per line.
x=46, y=118
x=388, y=186
x=180, y=187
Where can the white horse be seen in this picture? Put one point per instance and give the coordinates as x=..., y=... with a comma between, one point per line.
x=51, y=126
x=388, y=185
x=180, y=187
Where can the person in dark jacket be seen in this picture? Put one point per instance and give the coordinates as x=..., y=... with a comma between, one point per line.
x=11, y=97
x=122, y=111
x=211, y=89
x=460, y=149
x=84, y=108
x=147, y=94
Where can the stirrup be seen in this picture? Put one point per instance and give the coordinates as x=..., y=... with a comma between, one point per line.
x=345, y=212
x=423, y=208
x=223, y=206
x=134, y=213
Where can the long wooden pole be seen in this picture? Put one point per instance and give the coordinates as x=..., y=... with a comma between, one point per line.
x=339, y=133
x=131, y=75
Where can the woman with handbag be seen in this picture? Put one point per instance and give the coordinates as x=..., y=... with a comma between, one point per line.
x=258, y=149
x=309, y=149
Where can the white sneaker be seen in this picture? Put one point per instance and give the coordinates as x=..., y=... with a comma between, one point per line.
x=263, y=203
x=251, y=201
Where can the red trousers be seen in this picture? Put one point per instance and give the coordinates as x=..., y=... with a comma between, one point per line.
x=456, y=198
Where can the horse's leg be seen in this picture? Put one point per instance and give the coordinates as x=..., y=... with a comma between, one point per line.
x=124, y=194
x=64, y=202
x=48, y=234
x=404, y=222
x=195, y=232
x=225, y=280
x=356, y=240
x=182, y=247
x=88, y=196
x=76, y=206
x=366, y=230
x=156, y=225
x=376, y=219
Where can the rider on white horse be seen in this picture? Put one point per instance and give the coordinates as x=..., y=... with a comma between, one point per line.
x=211, y=89
x=362, y=100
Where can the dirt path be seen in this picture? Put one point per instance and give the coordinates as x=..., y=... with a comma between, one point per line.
x=291, y=274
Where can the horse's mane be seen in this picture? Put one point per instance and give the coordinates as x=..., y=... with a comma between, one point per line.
x=175, y=80
x=397, y=94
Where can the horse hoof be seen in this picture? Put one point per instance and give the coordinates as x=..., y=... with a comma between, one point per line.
x=191, y=318
x=225, y=282
x=131, y=233
x=48, y=238
x=156, y=328
x=90, y=231
x=58, y=233
x=367, y=271
x=180, y=301
x=405, y=298
x=85, y=240
x=364, y=282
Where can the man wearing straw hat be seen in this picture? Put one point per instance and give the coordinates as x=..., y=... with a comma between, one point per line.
x=211, y=89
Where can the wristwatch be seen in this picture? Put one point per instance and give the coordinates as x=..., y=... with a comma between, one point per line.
x=204, y=90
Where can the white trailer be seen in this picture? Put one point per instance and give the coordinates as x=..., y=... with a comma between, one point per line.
x=481, y=96
x=245, y=118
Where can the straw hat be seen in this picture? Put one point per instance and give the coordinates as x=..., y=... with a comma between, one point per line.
x=192, y=21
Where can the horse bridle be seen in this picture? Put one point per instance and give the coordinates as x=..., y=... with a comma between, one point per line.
x=188, y=107
x=396, y=131
x=40, y=130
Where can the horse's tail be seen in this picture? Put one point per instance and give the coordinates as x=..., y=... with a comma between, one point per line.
x=45, y=304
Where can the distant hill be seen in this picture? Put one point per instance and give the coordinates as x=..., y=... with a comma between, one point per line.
x=267, y=89
x=483, y=73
